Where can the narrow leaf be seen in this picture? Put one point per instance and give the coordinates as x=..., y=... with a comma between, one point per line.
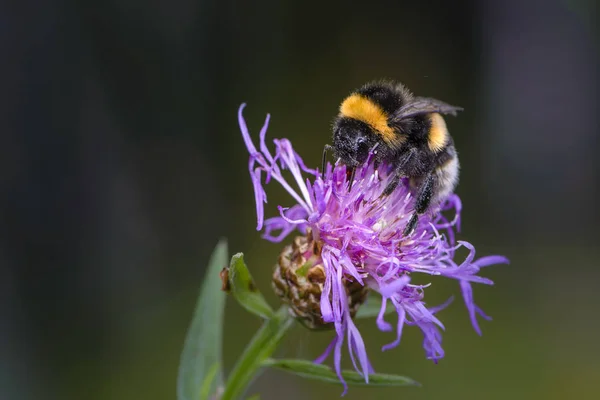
x=200, y=370
x=308, y=369
x=208, y=381
x=244, y=290
x=371, y=308
x=261, y=347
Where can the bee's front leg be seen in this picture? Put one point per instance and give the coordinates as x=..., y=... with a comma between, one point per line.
x=392, y=184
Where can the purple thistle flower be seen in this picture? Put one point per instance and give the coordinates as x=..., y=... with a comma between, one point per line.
x=361, y=236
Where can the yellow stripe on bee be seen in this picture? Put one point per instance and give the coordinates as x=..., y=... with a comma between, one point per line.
x=438, y=133
x=362, y=109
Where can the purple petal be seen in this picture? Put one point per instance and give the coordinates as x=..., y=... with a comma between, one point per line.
x=326, y=307
x=432, y=342
x=346, y=264
x=275, y=224
x=458, y=209
x=467, y=292
x=358, y=350
x=260, y=198
x=244, y=129
x=337, y=355
x=327, y=352
x=381, y=323
x=471, y=254
x=400, y=325
x=442, y=306
x=391, y=288
x=357, y=345
x=491, y=260
x=482, y=314
x=427, y=315
x=282, y=211
x=263, y=145
x=303, y=166
x=289, y=157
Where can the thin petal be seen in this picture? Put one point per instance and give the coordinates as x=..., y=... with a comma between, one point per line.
x=491, y=260
x=442, y=306
x=381, y=323
x=391, y=288
x=327, y=352
x=357, y=345
x=467, y=292
x=244, y=129
x=399, y=327
x=326, y=307
x=278, y=224
x=260, y=198
x=262, y=136
x=282, y=211
x=289, y=158
x=337, y=354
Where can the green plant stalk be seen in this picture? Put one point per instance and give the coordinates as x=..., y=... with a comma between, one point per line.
x=260, y=348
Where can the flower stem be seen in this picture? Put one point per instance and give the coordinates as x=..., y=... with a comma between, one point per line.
x=260, y=348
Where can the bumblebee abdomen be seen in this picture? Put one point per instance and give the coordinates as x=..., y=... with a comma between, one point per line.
x=437, y=136
x=446, y=179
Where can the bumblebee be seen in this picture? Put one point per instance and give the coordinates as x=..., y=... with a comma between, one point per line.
x=407, y=132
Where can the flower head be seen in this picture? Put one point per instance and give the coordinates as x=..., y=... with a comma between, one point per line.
x=359, y=233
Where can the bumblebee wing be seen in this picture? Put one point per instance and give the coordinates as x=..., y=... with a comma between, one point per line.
x=424, y=105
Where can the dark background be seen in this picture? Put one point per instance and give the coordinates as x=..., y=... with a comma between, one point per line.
x=121, y=165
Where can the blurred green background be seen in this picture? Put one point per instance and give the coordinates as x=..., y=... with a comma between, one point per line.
x=121, y=165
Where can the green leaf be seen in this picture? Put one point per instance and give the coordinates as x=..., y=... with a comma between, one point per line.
x=200, y=365
x=245, y=291
x=261, y=347
x=308, y=369
x=371, y=308
x=208, y=380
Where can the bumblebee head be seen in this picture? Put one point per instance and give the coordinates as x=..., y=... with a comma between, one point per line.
x=352, y=141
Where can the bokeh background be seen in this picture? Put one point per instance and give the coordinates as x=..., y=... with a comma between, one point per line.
x=121, y=165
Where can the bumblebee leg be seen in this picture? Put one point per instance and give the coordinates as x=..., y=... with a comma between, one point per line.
x=421, y=203
x=392, y=185
x=351, y=181
x=326, y=148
